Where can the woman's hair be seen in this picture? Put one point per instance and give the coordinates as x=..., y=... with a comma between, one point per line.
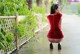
x=53, y=8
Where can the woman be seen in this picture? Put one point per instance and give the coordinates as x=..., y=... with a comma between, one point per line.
x=55, y=34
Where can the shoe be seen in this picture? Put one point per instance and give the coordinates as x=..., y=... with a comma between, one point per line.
x=51, y=46
x=59, y=46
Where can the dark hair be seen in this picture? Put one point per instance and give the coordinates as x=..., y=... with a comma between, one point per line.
x=53, y=8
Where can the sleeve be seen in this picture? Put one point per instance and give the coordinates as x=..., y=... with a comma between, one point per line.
x=60, y=15
x=48, y=16
x=50, y=19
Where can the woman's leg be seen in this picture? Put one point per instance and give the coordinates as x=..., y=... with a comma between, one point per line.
x=51, y=46
x=59, y=46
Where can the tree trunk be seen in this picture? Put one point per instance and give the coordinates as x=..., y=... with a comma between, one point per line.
x=39, y=3
x=60, y=4
x=46, y=5
x=29, y=4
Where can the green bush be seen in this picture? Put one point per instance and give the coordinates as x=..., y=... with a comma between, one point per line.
x=40, y=10
x=27, y=25
x=10, y=7
x=6, y=40
x=37, y=9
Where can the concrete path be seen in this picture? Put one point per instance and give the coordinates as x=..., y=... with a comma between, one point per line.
x=70, y=44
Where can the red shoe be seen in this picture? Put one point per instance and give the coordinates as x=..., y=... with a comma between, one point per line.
x=51, y=46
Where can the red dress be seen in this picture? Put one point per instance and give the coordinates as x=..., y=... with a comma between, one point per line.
x=55, y=34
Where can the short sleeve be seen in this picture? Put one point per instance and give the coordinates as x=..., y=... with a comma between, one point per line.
x=60, y=15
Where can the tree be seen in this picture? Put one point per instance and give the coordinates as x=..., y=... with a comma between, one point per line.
x=60, y=4
x=29, y=4
x=39, y=3
x=46, y=4
x=52, y=1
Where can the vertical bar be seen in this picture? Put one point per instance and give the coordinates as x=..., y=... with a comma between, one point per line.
x=47, y=5
x=16, y=34
x=0, y=28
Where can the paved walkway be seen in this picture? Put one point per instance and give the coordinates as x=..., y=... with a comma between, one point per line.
x=70, y=44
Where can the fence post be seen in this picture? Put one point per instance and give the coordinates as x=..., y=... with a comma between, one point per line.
x=0, y=28
x=16, y=34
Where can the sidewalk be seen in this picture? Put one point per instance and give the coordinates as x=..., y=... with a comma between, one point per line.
x=70, y=44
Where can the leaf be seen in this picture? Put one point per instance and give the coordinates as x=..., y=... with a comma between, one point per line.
x=2, y=46
x=9, y=37
x=3, y=31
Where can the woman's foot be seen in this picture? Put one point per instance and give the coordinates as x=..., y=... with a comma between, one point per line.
x=59, y=46
x=51, y=46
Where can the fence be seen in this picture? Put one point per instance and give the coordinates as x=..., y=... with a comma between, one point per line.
x=8, y=26
x=10, y=20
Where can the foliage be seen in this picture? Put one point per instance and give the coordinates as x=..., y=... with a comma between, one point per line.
x=44, y=19
x=40, y=10
x=78, y=8
x=31, y=24
x=10, y=7
x=6, y=40
x=37, y=9
x=27, y=25
x=64, y=2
